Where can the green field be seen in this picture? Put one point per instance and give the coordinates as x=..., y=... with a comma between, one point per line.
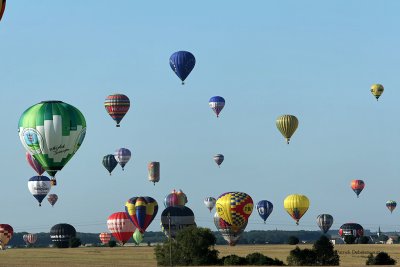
x=350, y=255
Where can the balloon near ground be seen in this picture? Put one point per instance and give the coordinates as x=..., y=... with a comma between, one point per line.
x=6, y=233
x=175, y=198
x=219, y=158
x=61, y=234
x=137, y=237
x=264, y=209
x=117, y=105
x=52, y=199
x=357, y=186
x=391, y=205
x=109, y=162
x=34, y=163
x=234, y=208
x=352, y=229
x=182, y=63
x=120, y=226
x=287, y=125
x=153, y=169
x=377, y=90
x=210, y=202
x=2, y=8
x=324, y=222
x=217, y=103
x=229, y=233
x=141, y=211
x=31, y=239
x=52, y=131
x=39, y=186
x=122, y=156
x=105, y=237
x=175, y=218
x=296, y=206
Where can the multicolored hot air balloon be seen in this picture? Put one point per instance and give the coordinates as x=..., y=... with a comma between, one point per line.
x=52, y=199
x=324, y=222
x=377, y=90
x=2, y=8
x=391, y=205
x=264, y=208
x=296, y=205
x=175, y=198
x=120, y=226
x=137, y=237
x=229, y=233
x=153, y=169
x=175, y=218
x=39, y=186
x=210, y=202
x=31, y=239
x=351, y=229
x=117, y=105
x=52, y=131
x=61, y=234
x=6, y=233
x=357, y=186
x=287, y=125
x=182, y=63
x=234, y=208
x=109, y=162
x=122, y=155
x=105, y=237
x=219, y=158
x=34, y=164
x=141, y=211
x=216, y=103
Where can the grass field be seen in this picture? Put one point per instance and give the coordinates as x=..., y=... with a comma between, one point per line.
x=350, y=255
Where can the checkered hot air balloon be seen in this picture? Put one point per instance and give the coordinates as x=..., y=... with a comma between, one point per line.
x=120, y=226
x=39, y=186
x=6, y=233
x=52, y=199
x=117, y=105
x=229, y=233
x=235, y=208
x=141, y=211
x=182, y=63
x=122, y=156
x=216, y=103
x=105, y=237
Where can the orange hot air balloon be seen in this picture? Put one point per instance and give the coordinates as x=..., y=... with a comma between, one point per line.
x=357, y=186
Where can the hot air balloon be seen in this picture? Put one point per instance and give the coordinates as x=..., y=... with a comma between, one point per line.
x=182, y=63
x=264, y=208
x=219, y=158
x=31, y=238
x=109, y=162
x=137, y=237
x=391, y=205
x=141, y=211
x=52, y=199
x=210, y=202
x=153, y=169
x=34, y=164
x=296, y=205
x=25, y=238
x=117, y=105
x=230, y=234
x=287, y=125
x=52, y=131
x=2, y=8
x=377, y=90
x=324, y=222
x=351, y=229
x=120, y=226
x=357, y=186
x=105, y=237
x=61, y=234
x=39, y=186
x=234, y=208
x=175, y=198
x=122, y=155
x=175, y=218
x=216, y=103
x=6, y=233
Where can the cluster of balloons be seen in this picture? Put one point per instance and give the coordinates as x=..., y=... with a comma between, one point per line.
x=121, y=157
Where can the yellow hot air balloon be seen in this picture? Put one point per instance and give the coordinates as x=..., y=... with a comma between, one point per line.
x=234, y=208
x=377, y=90
x=287, y=125
x=296, y=205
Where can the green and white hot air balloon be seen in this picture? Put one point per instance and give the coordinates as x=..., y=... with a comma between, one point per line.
x=52, y=131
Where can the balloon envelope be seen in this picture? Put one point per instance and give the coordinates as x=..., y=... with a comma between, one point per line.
x=210, y=202
x=182, y=63
x=2, y=8
x=235, y=208
x=219, y=158
x=39, y=186
x=117, y=105
x=377, y=90
x=141, y=211
x=229, y=233
x=264, y=209
x=6, y=233
x=175, y=218
x=61, y=234
x=153, y=169
x=351, y=229
x=324, y=222
x=391, y=205
x=287, y=125
x=109, y=162
x=31, y=238
x=34, y=163
x=105, y=237
x=175, y=198
x=137, y=237
x=217, y=103
x=52, y=199
x=357, y=186
x=296, y=206
x=122, y=155
x=120, y=226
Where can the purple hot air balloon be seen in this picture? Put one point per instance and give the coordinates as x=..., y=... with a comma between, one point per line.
x=34, y=164
x=52, y=198
x=122, y=155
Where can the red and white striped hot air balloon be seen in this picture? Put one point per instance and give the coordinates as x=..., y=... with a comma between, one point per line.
x=105, y=237
x=120, y=226
x=31, y=238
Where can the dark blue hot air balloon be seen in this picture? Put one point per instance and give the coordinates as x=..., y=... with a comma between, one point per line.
x=264, y=208
x=182, y=63
x=109, y=162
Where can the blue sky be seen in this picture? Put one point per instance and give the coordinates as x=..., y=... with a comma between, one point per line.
x=313, y=59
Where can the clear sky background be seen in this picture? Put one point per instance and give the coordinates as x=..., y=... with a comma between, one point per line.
x=313, y=59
